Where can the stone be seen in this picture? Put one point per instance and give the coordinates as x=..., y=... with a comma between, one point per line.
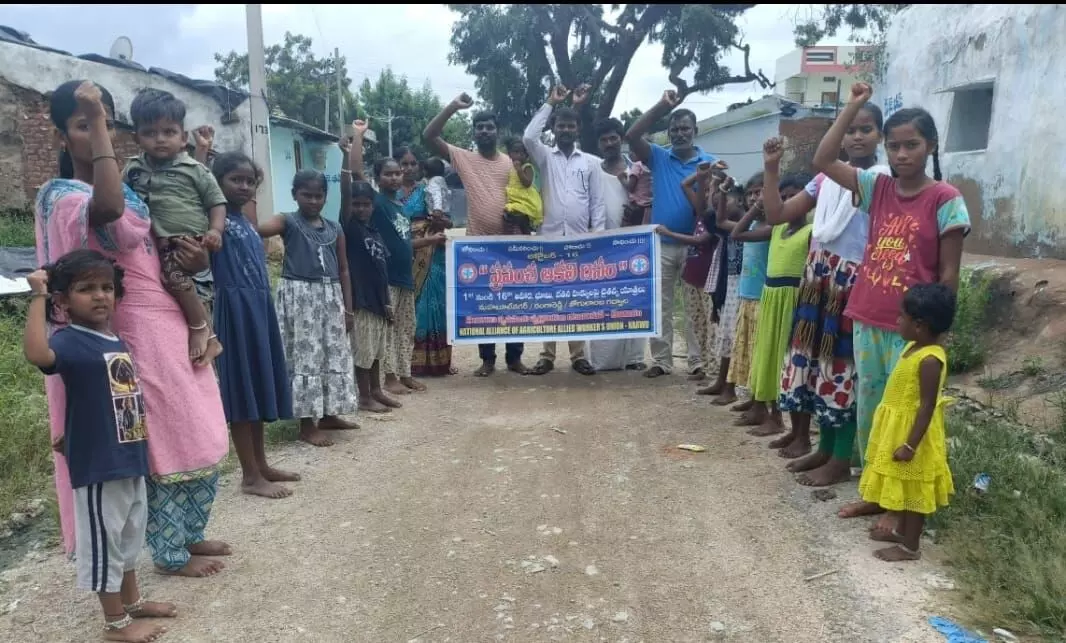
x=591, y=570
x=717, y=626
x=620, y=617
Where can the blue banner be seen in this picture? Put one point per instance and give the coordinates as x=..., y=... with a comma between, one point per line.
x=522, y=289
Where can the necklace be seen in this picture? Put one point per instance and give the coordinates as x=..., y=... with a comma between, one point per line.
x=323, y=237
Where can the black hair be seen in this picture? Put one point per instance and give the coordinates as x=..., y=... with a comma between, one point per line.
x=565, y=114
x=926, y=126
x=433, y=166
x=756, y=180
x=512, y=142
x=609, y=125
x=403, y=151
x=932, y=305
x=484, y=117
x=61, y=107
x=72, y=267
x=678, y=114
x=229, y=161
x=306, y=178
x=362, y=189
x=875, y=113
x=379, y=165
x=797, y=180
x=153, y=105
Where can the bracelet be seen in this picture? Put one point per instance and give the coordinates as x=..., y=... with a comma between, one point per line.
x=344, y=171
x=105, y=156
x=349, y=313
x=39, y=295
x=200, y=326
x=908, y=447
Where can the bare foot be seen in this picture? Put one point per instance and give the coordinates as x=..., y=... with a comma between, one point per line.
x=887, y=522
x=266, y=489
x=198, y=339
x=782, y=441
x=153, y=609
x=278, y=475
x=396, y=388
x=210, y=548
x=858, y=509
x=897, y=554
x=197, y=567
x=373, y=406
x=795, y=449
x=885, y=536
x=713, y=389
x=813, y=461
x=315, y=437
x=831, y=473
x=767, y=428
x=743, y=407
x=380, y=396
x=214, y=349
x=725, y=399
x=413, y=384
x=697, y=376
x=334, y=423
x=750, y=418
x=136, y=632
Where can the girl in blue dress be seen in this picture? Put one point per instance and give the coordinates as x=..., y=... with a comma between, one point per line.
x=251, y=370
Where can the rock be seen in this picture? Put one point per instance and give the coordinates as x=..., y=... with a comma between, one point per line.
x=938, y=581
x=542, y=527
x=591, y=570
x=535, y=569
x=557, y=530
x=552, y=560
x=620, y=617
x=717, y=626
x=588, y=624
x=26, y=618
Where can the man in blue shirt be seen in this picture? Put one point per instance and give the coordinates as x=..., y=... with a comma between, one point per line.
x=670, y=208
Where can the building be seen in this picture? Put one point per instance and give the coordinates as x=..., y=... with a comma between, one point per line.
x=295, y=146
x=988, y=75
x=818, y=76
x=737, y=135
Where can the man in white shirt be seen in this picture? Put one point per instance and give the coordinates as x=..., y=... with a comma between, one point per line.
x=572, y=192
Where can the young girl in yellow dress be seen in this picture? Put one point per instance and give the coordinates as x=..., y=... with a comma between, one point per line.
x=906, y=458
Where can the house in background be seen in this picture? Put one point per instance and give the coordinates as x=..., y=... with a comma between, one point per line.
x=818, y=76
x=737, y=135
x=989, y=76
x=296, y=146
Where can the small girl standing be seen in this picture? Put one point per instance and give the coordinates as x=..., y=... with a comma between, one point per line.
x=314, y=308
x=524, y=211
x=906, y=459
x=788, y=251
x=252, y=373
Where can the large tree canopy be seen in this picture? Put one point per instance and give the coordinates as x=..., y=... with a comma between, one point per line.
x=297, y=82
x=518, y=51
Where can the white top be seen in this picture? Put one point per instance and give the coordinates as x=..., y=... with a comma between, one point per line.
x=615, y=198
x=571, y=186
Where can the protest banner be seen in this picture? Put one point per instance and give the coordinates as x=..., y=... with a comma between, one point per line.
x=586, y=287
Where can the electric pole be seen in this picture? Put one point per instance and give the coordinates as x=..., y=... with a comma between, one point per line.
x=390, y=132
x=340, y=91
x=260, y=112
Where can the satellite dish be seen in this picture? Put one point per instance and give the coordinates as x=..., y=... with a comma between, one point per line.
x=122, y=49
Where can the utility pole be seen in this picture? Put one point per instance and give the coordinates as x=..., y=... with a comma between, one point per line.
x=260, y=112
x=340, y=91
x=390, y=132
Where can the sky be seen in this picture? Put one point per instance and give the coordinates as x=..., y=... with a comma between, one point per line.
x=411, y=38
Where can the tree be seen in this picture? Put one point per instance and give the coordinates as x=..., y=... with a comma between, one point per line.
x=867, y=23
x=297, y=82
x=517, y=51
x=411, y=111
x=633, y=115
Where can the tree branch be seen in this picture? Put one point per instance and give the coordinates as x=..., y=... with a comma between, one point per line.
x=597, y=24
x=683, y=88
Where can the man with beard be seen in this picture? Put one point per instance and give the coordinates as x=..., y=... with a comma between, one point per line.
x=572, y=193
x=484, y=174
x=670, y=208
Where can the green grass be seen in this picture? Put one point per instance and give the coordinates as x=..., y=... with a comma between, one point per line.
x=967, y=347
x=1008, y=545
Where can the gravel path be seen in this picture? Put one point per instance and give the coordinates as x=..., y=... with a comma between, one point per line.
x=521, y=509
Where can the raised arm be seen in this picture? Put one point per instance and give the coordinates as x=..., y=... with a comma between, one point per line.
x=537, y=150
x=760, y=233
x=778, y=212
x=345, y=279
x=108, y=201
x=346, y=177
x=434, y=130
x=826, y=158
x=204, y=139
x=35, y=340
x=638, y=146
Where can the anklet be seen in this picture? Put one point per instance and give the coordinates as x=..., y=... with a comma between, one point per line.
x=122, y=623
x=200, y=326
x=135, y=606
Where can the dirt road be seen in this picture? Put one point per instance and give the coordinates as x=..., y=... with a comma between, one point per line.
x=521, y=509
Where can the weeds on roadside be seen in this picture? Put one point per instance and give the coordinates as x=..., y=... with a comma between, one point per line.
x=16, y=228
x=1008, y=545
x=966, y=346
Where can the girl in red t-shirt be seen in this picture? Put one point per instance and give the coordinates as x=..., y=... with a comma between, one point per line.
x=917, y=226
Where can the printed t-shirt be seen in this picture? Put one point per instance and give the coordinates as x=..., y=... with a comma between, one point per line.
x=367, y=265
x=395, y=231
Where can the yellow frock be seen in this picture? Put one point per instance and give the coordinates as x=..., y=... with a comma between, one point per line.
x=923, y=484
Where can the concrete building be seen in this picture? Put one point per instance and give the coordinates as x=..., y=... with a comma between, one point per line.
x=295, y=146
x=813, y=76
x=989, y=76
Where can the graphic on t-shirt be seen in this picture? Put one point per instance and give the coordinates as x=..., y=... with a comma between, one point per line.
x=891, y=252
x=126, y=398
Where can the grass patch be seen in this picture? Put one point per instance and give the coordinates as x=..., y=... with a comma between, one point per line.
x=16, y=228
x=1008, y=545
x=966, y=347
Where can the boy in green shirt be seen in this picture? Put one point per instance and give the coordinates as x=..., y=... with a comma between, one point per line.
x=183, y=200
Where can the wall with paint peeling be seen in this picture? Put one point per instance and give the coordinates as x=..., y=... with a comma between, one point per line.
x=945, y=58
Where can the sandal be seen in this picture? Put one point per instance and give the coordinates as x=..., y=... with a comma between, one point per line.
x=583, y=367
x=654, y=371
x=543, y=367
x=486, y=369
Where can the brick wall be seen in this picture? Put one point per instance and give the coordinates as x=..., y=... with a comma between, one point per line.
x=801, y=137
x=31, y=136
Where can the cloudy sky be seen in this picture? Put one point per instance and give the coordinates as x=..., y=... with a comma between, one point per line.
x=411, y=38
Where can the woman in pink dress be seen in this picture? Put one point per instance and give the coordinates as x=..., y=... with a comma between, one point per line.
x=90, y=207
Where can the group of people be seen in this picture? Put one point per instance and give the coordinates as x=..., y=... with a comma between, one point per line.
x=836, y=316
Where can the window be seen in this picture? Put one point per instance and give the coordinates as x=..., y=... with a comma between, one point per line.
x=297, y=155
x=829, y=79
x=820, y=56
x=829, y=98
x=971, y=118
